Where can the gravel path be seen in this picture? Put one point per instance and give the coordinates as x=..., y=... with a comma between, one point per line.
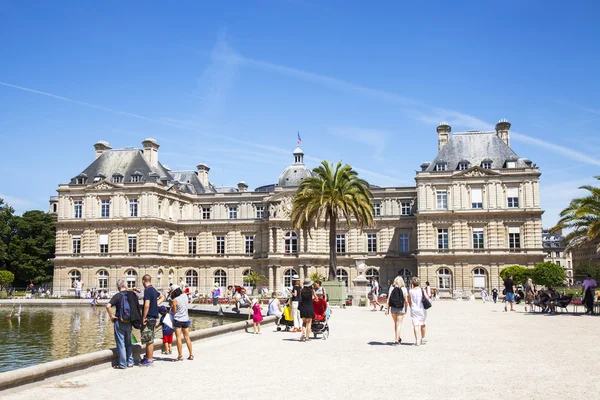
x=474, y=351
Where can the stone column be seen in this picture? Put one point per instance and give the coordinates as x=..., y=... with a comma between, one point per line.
x=271, y=278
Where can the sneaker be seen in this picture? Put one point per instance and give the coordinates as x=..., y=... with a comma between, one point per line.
x=416, y=343
x=423, y=341
x=147, y=363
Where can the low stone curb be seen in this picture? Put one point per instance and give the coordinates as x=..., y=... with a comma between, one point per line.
x=36, y=373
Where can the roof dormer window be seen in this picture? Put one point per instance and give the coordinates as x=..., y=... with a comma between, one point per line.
x=511, y=164
x=80, y=179
x=463, y=165
x=117, y=178
x=135, y=177
x=441, y=166
x=486, y=164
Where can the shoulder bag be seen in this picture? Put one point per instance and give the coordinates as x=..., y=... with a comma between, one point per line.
x=426, y=302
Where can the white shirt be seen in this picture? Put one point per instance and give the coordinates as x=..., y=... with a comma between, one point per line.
x=274, y=307
x=416, y=297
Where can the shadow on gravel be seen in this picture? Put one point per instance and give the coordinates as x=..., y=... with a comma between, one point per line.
x=389, y=344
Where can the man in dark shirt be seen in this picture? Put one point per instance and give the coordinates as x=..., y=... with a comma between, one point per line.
x=149, y=318
x=122, y=329
x=509, y=286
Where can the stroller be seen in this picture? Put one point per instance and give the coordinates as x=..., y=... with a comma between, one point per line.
x=319, y=323
x=287, y=319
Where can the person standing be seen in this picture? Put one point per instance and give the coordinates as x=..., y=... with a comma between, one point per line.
x=320, y=290
x=396, y=305
x=589, y=288
x=529, y=295
x=483, y=295
x=216, y=293
x=495, y=295
x=181, y=321
x=125, y=303
x=256, y=315
x=149, y=318
x=427, y=289
x=418, y=314
x=296, y=303
x=375, y=294
x=307, y=311
x=509, y=287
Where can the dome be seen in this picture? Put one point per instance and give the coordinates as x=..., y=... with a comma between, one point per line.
x=292, y=175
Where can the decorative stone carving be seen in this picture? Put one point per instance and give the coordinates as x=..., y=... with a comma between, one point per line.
x=475, y=173
x=283, y=209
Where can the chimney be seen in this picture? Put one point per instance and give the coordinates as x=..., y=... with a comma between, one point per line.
x=101, y=147
x=443, y=131
x=503, y=131
x=242, y=187
x=203, y=174
x=151, y=151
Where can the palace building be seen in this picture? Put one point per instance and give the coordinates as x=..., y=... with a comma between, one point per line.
x=474, y=210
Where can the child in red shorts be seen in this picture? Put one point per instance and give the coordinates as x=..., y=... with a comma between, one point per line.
x=166, y=320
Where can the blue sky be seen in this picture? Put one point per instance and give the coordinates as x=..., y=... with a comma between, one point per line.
x=230, y=84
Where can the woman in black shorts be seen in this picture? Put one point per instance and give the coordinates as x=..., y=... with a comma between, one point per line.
x=307, y=312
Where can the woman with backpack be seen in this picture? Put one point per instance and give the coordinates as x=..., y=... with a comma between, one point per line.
x=396, y=305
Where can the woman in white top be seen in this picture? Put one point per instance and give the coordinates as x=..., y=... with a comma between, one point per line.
x=275, y=308
x=418, y=314
x=392, y=306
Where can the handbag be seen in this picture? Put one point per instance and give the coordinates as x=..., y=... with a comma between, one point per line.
x=426, y=302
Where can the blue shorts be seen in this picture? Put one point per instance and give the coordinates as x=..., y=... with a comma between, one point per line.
x=510, y=297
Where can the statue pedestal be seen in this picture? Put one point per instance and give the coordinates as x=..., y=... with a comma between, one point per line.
x=362, y=287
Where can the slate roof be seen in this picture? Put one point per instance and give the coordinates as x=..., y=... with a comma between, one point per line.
x=189, y=182
x=475, y=147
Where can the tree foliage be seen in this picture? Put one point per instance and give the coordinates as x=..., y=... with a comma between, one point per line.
x=6, y=222
x=549, y=274
x=520, y=274
x=583, y=270
x=255, y=279
x=6, y=278
x=328, y=196
x=582, y=217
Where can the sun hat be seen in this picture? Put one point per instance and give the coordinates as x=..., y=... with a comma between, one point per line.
x=215, y=284
x=174, y=287
x=296, y=277
x=307, y=282
x=162, y=309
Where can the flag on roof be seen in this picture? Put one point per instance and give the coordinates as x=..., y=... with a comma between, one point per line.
x=299, y=139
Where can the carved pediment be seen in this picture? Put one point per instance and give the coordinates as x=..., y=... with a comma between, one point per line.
x=103, y=185
x=281, y=208
x=476, y=172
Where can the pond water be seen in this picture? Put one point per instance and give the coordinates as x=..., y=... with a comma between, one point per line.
x=42, y=334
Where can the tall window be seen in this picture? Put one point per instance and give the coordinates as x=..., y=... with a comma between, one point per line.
x=159, y=208
x=159, y=243
x=102, y=279
x=442, y=238
x=340, y=244
x=478, y=238
x=512, y=195
x=514, y=237
x=342, y=274
x=287, y=277
x=442, y=200
x=406, y=274
x=74, y=275
x=191, y=278
x=77, y=208
x=232, y=212
x=131, y=279
x=205, y=212
x=476, y=198
x=405, y=208
x=220, y=244
x=76, y=244
x=372, y=273
x=291, y=243
x=132, y=243
x=377, y=207
x=444, y=278
x=133, y=207
x=404, y=244
x=372, y=243
x=250, y=244
x=260, y=212
x=192, y=245
x=479, y=278
x=103, y=240
x=220, y=278
x=105, y=208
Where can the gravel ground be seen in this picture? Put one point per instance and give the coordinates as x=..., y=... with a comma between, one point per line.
x=474, y=351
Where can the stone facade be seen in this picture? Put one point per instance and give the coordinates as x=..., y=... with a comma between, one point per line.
x=127, y=215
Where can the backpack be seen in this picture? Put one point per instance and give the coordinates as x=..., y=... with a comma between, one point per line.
x=125, y=309
x=397, y=298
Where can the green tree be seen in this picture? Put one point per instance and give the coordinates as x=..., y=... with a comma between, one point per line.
x=255, y=279
x=315, y=276
x=32, y=246
x=332, y=194
x=520, y=274
x=582, y=217
x=6, y=278
x=6, y=222
x=583, y=270
x=549, y=274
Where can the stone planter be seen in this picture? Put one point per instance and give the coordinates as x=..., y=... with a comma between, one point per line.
x=336, y=291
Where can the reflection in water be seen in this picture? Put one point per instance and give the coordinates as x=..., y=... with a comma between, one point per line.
x=42, y=334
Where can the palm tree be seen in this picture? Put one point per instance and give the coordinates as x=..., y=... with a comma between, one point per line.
x=331, y=195
x=583, y=217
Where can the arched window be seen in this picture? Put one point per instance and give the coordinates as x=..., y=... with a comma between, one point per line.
x=245, y=274
x=444, y=278
x=171, y=276
x=159, y=277
x=291, y=243
x=342, y=274
x=54, y=207
x=287, y=277
x=220, y=278
x=131, y=279
x=372, y=273
x=73, y=275
x=406, y=275
x=191, y=278
x=479, y=278
x=102, y=279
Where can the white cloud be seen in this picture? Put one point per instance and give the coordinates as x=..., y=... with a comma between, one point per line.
x=372, y=138
x=18, y=204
